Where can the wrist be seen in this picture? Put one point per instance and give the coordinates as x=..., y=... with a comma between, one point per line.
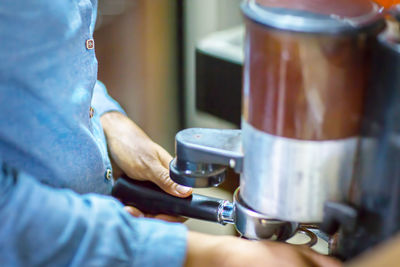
x=110, y=120
x=116, y=124
x=204, y=250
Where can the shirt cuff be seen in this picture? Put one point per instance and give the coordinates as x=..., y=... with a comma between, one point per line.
x=102, y=102
x=57, y=227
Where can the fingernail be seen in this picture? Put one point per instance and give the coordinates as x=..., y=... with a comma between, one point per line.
x=183, y=189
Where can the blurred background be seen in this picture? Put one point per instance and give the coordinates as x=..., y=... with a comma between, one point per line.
x=146, y=53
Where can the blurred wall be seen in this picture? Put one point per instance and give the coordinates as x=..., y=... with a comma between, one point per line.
x=203, y=17
x=136, y=50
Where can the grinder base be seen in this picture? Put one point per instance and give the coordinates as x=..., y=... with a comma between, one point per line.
x=253, y=225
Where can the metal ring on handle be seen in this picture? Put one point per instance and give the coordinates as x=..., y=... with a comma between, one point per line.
x=253, y=225
x=313, y=237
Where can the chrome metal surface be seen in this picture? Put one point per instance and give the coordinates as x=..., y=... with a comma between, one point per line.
x=313, y=237
x=196, y=175
x=289, y=179
x=308, y=22
x=226, y=213
x=253, y=225
x=315, y=229
x=212, y=146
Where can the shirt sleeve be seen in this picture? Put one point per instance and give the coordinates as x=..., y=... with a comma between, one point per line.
x=102, y=102
x=43, y=226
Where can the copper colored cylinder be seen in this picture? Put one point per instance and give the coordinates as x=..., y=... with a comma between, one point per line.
x=305, y=76
x=304, y=86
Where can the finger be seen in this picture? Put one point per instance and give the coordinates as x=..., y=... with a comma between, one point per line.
x=164, y=156
x=134, y=211
x=163, y=180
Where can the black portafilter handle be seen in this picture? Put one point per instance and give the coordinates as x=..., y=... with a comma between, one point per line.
x=150, y=199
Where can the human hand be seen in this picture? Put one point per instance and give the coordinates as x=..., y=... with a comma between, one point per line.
x=207, y=250
x=139, y=157
x=168, y=218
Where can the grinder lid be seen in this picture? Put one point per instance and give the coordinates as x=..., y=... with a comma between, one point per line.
x=316, y=16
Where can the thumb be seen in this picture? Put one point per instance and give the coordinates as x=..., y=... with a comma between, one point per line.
x=163, y=181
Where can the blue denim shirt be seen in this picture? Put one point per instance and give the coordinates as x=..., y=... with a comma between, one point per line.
x=48, y=85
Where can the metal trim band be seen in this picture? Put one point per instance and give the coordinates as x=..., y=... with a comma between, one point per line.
x=308, y=22
x=289, y=179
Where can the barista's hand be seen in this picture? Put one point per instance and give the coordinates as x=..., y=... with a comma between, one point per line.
x=204, y=250
x=138, y=156
x=168, y=218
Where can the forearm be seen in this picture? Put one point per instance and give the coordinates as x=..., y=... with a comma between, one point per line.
x=228, y=251
x=203, y=250
x=117, y=125
x=115, y=120
x=111, y=121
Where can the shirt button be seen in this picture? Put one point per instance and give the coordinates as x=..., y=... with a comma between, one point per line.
x=91, y=112
x=90, y=44
x=108, y=174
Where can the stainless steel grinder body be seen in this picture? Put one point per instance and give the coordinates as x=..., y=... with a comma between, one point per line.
x=304, y=79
